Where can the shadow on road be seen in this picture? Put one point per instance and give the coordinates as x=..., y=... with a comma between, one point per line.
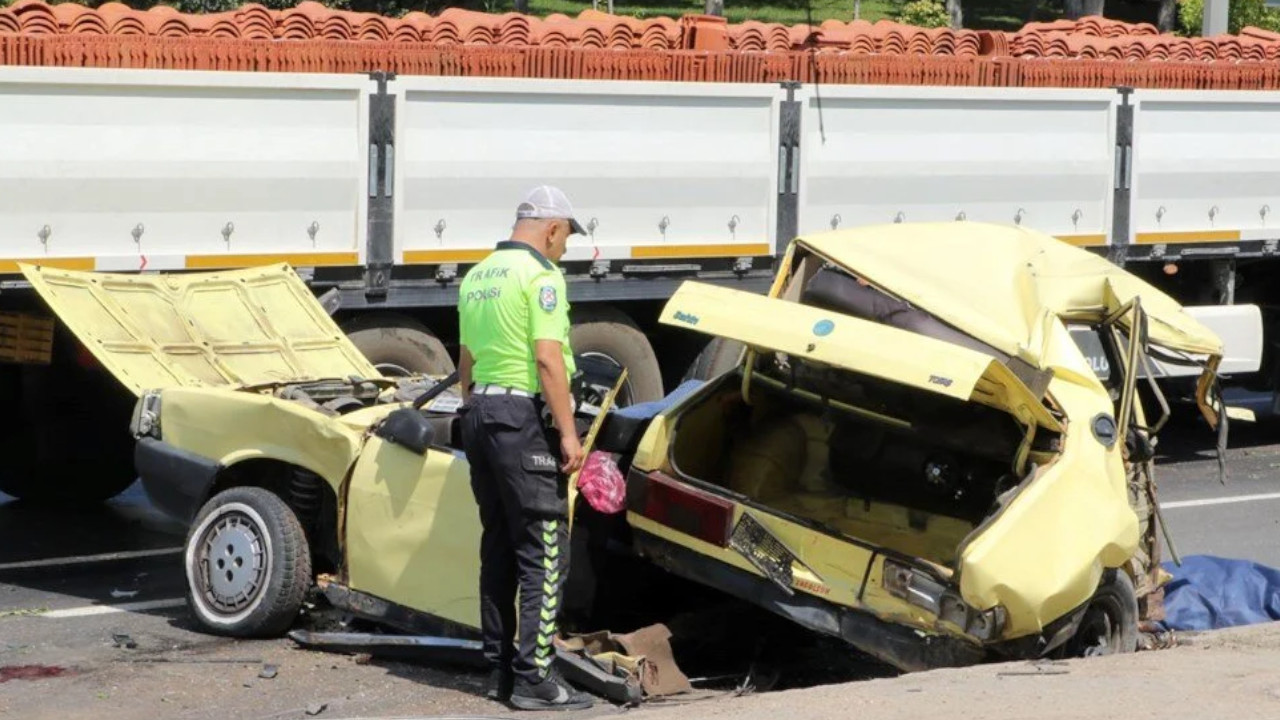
x=36, y=531
x=1188, y=437
x=51, y=548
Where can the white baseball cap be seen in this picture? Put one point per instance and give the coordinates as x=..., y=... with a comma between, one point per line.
x=546, y=202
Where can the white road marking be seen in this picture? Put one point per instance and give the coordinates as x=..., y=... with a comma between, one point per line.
x=108, y=609
x=1218, y=501
x=82, y=559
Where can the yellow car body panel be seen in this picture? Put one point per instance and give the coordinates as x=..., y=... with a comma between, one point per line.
x=218, y=329
x=997, y=283
x=413, y=531
x=1081, y=500
x=233, y=427
x=1075, y=514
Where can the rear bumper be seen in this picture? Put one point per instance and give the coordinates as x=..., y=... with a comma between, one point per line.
x=895, y=644
x=175, y=480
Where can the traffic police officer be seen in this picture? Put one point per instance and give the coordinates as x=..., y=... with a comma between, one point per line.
x=514, y=331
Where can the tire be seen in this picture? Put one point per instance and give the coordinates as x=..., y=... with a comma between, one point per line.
x=1110, y=622
x=240, y=602
x=718, y=357
x=609, y=334
x=72, y=444
x=399, y=346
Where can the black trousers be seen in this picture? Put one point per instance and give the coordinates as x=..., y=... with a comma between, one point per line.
x=522, y=496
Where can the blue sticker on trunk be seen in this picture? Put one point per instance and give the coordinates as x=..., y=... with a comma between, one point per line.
x=823, y=328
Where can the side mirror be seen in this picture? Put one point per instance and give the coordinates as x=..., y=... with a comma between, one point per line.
x=407, y=428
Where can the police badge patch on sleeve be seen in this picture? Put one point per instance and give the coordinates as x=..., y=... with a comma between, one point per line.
x=547, y=298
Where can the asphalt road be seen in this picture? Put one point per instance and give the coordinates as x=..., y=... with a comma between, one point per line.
x=96, y=593
x=1238, y=519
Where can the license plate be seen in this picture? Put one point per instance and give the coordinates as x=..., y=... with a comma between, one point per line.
x=763, y=550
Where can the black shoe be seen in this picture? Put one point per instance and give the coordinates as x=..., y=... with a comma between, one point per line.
x=500, y=683
x=550, y=694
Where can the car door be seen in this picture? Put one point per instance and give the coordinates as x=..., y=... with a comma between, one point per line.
x=412, y=530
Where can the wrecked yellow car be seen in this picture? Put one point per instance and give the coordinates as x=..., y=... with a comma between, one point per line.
x=910, y=452
x=297, y=465
x=913, y=455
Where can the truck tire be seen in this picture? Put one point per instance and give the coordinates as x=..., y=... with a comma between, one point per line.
x=398, y=345
x=248, y=564
x=608, y=334
x=72, y=444
x=718, y=357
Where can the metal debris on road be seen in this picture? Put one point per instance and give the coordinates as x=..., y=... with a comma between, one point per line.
x=1040, y=668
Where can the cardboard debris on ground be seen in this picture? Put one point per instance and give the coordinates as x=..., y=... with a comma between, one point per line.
x=644, y=655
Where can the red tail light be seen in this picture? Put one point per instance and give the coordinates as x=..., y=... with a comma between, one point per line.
x=680, y=507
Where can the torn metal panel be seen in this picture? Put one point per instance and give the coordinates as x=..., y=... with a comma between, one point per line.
x=424, y=648
x=582, y=671
x=405, y=619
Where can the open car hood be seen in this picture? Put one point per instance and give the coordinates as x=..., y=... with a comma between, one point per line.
x=842, y=341
x=215, y=329
x=1001, y=284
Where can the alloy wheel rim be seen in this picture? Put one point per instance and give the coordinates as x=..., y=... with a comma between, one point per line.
x=232, y=562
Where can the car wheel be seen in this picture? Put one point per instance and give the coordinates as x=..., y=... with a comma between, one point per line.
x=1110, y=622
x=248, y=564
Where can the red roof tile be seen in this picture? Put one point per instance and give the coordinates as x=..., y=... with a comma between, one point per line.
x=1091, y=52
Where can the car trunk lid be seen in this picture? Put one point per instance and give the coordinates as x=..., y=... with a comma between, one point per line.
x=861, y=346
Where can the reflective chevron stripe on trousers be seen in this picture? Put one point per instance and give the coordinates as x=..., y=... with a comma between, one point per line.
x=550, y=604
x=524, y=547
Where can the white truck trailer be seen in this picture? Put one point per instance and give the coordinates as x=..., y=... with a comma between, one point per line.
x=382, y=190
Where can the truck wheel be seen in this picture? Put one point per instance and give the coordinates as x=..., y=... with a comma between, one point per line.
x=607, y=334
x=1110, y=622
x=398, y=345
x=718, y=357
x=248, y=564
x=72, y=444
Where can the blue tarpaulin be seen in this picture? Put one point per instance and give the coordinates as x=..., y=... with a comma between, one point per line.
x=1208, y=593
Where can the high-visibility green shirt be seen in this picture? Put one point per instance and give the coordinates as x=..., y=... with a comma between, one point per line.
x=507, y=302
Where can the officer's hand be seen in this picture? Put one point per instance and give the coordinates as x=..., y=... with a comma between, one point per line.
x=571, y=454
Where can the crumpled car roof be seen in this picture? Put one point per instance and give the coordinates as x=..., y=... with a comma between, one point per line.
x=963, y=273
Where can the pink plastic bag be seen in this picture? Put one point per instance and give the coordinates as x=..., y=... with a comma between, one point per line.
x=601, y=483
